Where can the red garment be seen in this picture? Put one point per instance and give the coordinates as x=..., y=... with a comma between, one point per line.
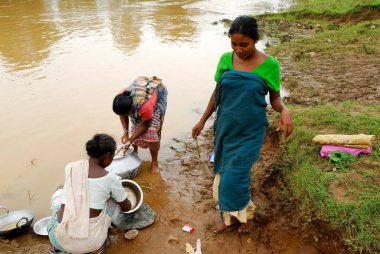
x=146, y=110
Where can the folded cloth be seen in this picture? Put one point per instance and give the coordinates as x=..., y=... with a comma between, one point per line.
x=358, y=141
x=77, y=207
x=327, y=149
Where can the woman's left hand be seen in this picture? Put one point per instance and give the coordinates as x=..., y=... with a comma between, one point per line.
x=286, y=123
x=126, y=146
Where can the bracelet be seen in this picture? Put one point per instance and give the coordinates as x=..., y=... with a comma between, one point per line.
x=125, y=130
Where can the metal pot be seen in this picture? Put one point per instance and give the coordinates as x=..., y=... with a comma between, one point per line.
x=127, y=167
x=138, y=192
x=15, y=223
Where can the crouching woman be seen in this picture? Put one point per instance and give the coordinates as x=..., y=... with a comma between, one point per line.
x=90, y=198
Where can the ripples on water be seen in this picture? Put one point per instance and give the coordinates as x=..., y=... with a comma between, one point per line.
x=30, y=28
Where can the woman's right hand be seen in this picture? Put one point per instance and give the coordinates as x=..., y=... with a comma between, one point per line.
x=124, y=138
x=197, y=129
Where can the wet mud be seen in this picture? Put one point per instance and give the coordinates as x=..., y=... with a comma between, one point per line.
x=182, y=195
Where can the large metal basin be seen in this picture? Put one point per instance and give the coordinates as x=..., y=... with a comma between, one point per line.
x=127, y=167
x=15, y=223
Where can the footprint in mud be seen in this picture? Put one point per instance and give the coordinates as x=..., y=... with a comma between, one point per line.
x=173, y=241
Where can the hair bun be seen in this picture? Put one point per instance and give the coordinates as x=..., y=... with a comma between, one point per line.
x=99, y=145
x=127, y=93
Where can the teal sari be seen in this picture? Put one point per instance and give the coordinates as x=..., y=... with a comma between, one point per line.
x=239, y=134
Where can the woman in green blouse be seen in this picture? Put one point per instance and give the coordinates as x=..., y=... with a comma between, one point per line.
x=244, y=77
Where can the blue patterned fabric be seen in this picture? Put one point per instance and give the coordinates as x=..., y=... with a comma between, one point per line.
x=142, y=89
x=239, y=133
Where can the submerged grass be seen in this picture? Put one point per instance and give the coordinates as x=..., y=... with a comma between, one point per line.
x=355, y=209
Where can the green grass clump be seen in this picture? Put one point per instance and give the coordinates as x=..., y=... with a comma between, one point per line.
x=322, y=6
x=355, y=208
x=352, y=38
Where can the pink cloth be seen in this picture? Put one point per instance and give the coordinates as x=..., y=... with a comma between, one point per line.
x=327, y=149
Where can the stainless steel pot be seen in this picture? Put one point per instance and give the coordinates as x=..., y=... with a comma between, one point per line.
x=15, y=223
x=135, y=187
x=127, y=167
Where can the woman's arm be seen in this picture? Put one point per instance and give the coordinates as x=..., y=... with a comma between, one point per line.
x=140, y=130
x=125, y=205
x=206, y=115
x=125, y=123
x=285, y=122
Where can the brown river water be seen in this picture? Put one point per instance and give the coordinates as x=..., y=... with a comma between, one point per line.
x=61, y=64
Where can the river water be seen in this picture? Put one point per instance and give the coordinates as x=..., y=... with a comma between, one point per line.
x=62, y=62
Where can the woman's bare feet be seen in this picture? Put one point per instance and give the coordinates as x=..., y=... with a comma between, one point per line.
x=245, y=227
x=154, y=169
x=221, y=226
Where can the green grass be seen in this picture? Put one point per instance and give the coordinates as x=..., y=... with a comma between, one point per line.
x=352, y=38
x=321, y=6
x=357, y=212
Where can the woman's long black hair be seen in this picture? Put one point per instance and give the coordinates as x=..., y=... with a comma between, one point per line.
x=122, y=103
x=246, y=25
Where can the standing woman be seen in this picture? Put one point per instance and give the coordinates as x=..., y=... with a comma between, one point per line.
x=244, y=76
x=144, y=103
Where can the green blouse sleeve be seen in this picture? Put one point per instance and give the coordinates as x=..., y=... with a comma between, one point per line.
x=270, y=72
x=225, y=63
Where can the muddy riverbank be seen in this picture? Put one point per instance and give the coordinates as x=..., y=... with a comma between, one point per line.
x=183, y=195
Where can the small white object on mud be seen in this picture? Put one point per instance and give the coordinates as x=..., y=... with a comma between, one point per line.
x=131, y=234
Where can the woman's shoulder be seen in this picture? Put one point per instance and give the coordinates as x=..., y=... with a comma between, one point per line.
x=109, y=177
x=271, y=61
x=227, y=56
x=75, y=163
x=113, y=177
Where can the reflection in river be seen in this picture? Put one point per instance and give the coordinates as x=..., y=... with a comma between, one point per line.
x=62, y=62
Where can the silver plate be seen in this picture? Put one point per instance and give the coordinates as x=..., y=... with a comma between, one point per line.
x=40, y=227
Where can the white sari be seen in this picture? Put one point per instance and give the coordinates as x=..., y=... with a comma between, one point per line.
x=77, y=233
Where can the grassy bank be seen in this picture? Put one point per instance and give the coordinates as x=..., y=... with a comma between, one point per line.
x=331, y=6
x=347, y=197
x=329, y=53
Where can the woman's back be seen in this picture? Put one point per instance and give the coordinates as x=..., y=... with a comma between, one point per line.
x=101, y=189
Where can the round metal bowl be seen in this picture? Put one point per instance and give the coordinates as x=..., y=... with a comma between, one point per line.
x=40, y=227
x=15, y=223
x=138, y=192
x=127, y=167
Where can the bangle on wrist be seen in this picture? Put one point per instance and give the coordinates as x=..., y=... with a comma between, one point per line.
x=125, y=130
